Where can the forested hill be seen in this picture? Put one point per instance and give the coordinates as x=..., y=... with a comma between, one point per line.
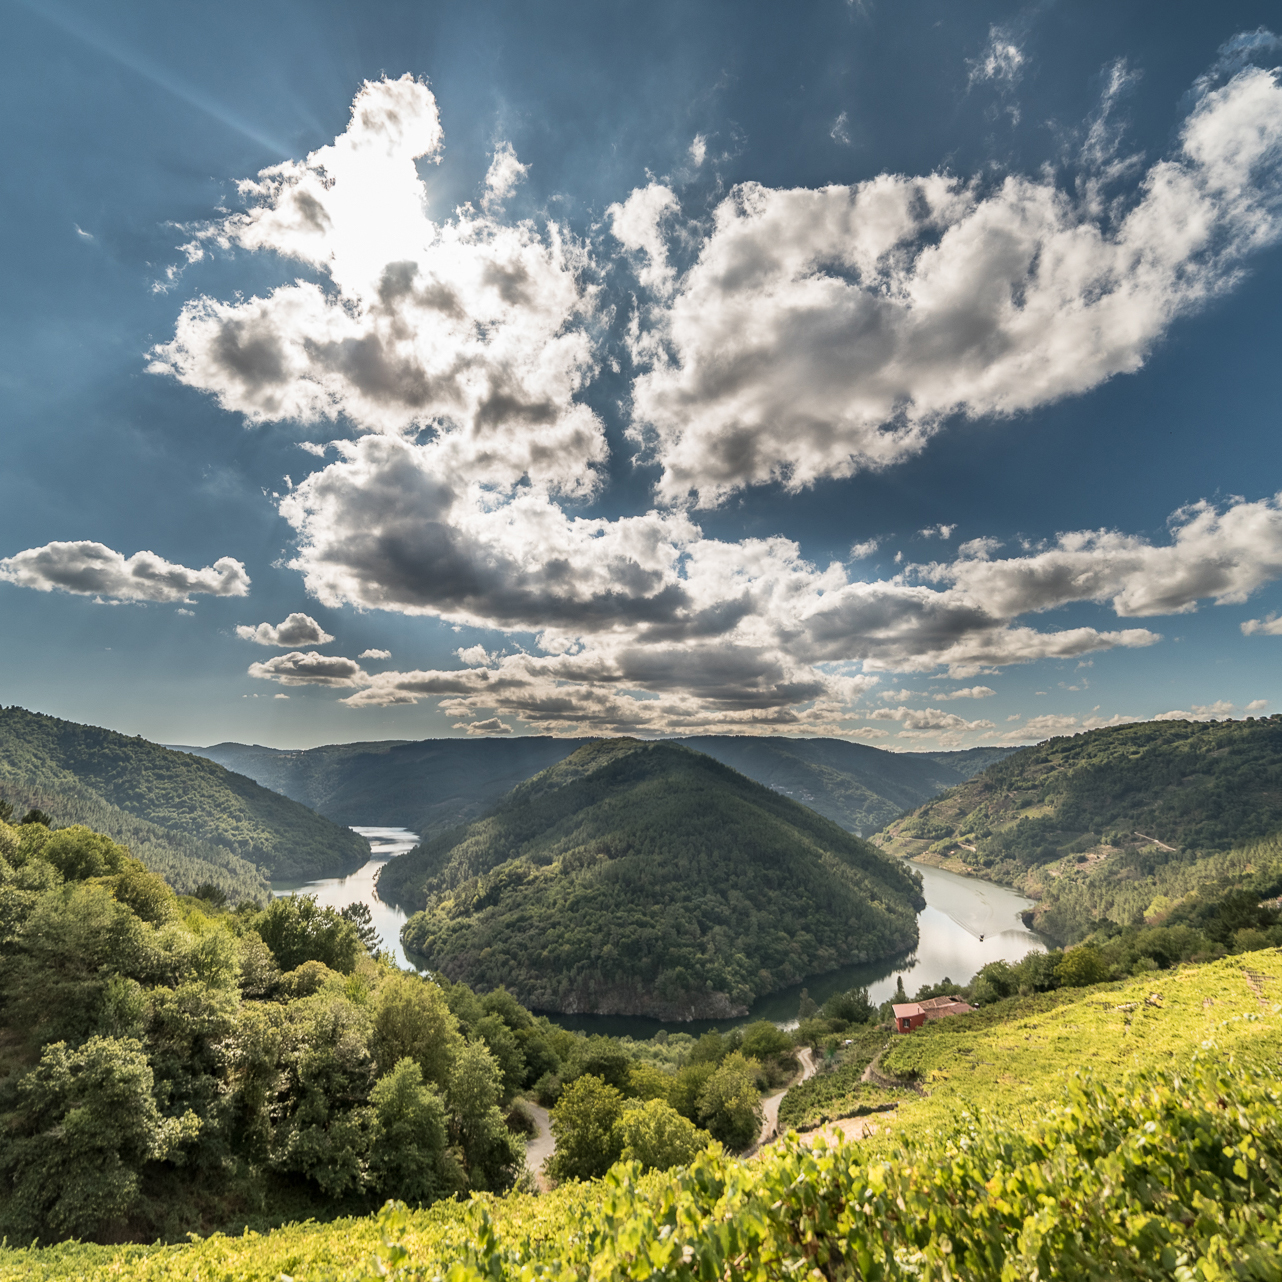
x=189, y=796
x=1115, y=824
x=434, y=784
x=644, y=878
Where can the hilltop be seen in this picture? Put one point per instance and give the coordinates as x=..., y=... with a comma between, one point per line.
x=645, y=878
x=1114, y=824
x=110, y=781
x=433, y=784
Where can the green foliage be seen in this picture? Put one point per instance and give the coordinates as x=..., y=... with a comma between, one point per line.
x=584, y=1121
x=363, y=922
x=434, y=785
x=492, y=1155
x=838, y=1090
x=645, y=878
x=1082, y=967
x=1076, y=822
x=729, y=1104
x=184, y=861
x=1016, y=1164
x=412, y=1020
x=408, y=1157
x=175, y=791
x=297, y=930
x=655, y=1136
x=82, y=1124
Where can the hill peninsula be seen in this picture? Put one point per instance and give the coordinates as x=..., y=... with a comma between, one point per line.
x=648, y=879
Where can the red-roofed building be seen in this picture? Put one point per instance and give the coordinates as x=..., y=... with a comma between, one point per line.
x=908, y=1015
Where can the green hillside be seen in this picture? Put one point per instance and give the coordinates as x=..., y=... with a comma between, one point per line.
x=427, y=786
x=1130, y=1133
x=186, y=863
x=1115, y=824
x=644, y=878
x=857, y=786
x=183, y=794
x=434, y=784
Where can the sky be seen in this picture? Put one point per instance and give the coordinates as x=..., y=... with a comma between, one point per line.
x=901, y=373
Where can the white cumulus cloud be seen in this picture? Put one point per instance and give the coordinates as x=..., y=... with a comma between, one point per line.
x=504, y=173
x=300, y=669
x=93, y=569
x=296, y=630
x=827, y=331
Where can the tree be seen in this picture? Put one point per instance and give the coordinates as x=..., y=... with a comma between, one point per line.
x=85, y=1121
x=492, y=1155
x=411, y=1018
x=763, y=1039
x=853, y=1006
x=583, y=1121
x=807, y=1007
x=80, y=853
x=363, y=922
x=657, y=1136
x=408, y=1158
x=1082, y=966
x=322, y=1093
x=730, y=1106
x=297, y=930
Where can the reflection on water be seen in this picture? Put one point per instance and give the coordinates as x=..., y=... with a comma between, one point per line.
x=966, y=924
x=358, y=887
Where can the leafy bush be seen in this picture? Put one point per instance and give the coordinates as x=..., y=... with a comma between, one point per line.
x=584, y=1123
x=657, y=1137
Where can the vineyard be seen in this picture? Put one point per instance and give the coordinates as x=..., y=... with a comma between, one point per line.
x=1130, y=1133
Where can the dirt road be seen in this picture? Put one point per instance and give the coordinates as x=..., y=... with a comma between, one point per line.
x=770, y=1105
x=541, y=1147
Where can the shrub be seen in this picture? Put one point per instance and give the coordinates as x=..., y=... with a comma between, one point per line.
x=658, y=1137
x=583, y=1121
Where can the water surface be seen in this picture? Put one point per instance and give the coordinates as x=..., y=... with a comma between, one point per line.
x=358, y=887
x=966, y=924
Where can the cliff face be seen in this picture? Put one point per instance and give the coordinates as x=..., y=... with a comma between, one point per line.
x=634, y=999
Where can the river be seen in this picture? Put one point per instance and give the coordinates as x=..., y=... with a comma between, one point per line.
x=966, y=924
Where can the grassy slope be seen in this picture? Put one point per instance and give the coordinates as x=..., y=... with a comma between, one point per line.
x=1018, y=1057
x=176, y=791
x=1021, y=1065
x=643, y=877
x=1061, y=820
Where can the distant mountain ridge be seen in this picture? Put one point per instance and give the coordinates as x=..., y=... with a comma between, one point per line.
x=1114, y=824
x=648, y=878
x=430, y=785
x=190, y=796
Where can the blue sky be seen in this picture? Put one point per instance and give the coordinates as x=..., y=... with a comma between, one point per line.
x=903, y=372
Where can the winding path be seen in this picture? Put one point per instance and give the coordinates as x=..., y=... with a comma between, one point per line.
x=770, y=1105
x=540, y=1148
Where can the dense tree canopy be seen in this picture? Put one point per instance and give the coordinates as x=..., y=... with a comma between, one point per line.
x=646, y=878
x=1117, y=823
x=112, y=778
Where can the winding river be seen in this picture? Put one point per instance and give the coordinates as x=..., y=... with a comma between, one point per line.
x=966, y=924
